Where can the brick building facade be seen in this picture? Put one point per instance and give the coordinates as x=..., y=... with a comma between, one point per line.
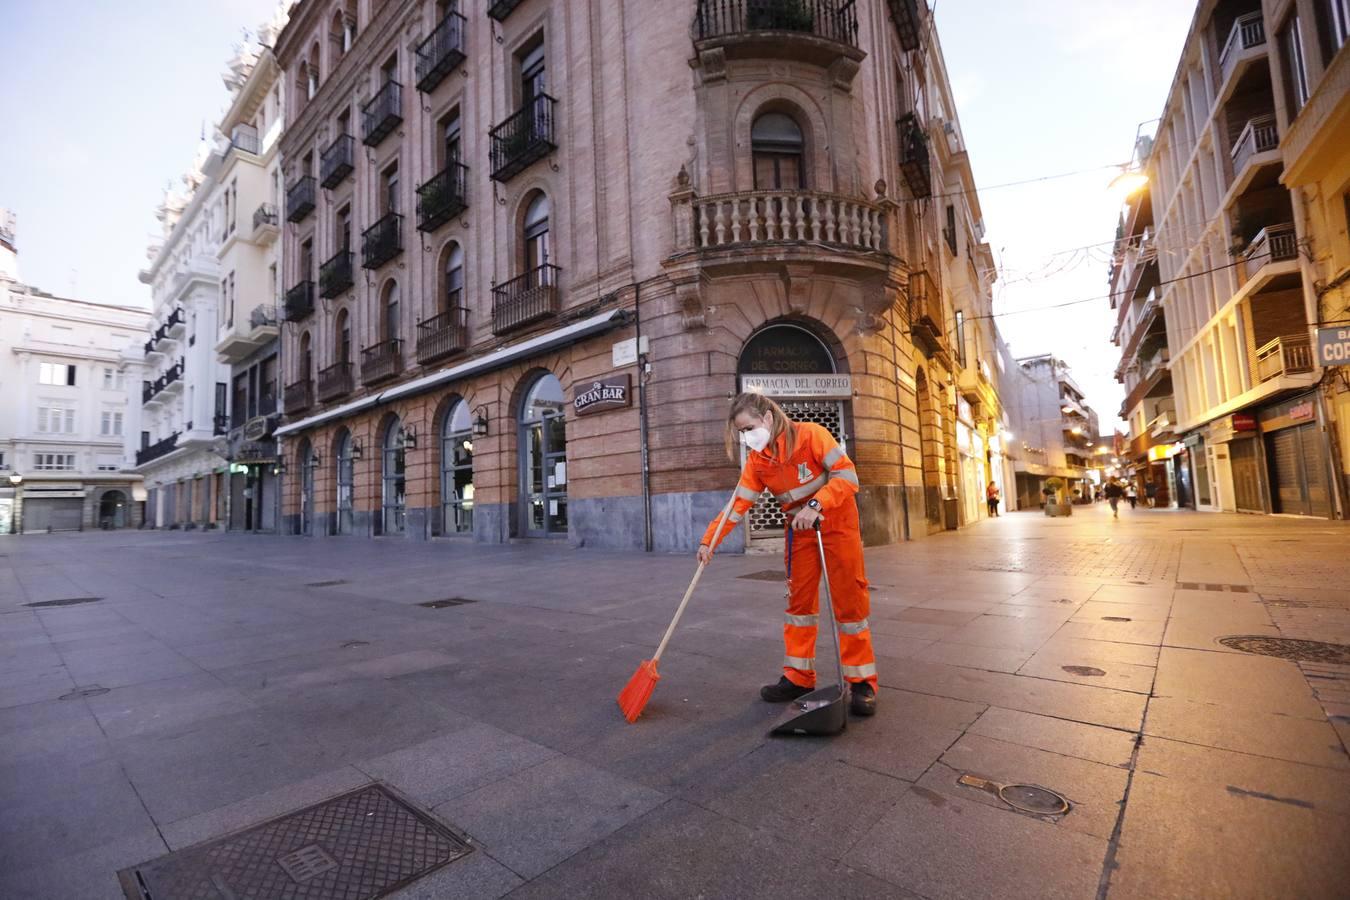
x=755, y=190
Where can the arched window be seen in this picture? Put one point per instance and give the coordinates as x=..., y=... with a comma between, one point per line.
x=537, y=249
x=314, y=64
x=452, y=293
x=304, y=464
x=342, y=338
x=305, y=361
x=457, y=470
x=338, y=34
x=543, y=459
x=389, y=312
x=779, y=152
x=304, y=82
x=393, y=479
x=349, y=22
x=344, y=474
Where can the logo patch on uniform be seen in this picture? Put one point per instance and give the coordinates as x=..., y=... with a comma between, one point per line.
x=803, y=473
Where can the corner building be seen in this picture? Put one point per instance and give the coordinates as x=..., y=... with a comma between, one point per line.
x=531, y=249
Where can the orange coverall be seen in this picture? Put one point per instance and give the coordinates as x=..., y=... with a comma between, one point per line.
x=817, y=468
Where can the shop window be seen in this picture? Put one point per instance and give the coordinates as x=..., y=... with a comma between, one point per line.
x=343, y=473
x=393, y=479
x=543, y=459
x=457, y=470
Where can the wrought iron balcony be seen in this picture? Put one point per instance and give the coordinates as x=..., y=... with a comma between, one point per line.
x=157, y=449
x=1259, y=135
x=914, y=162
x=525, y=299
x=926, y=322
x=382, y=113
x=443, y=334
x=905, y=16
x=299, y=302
x=265, y=215
x=500, y=9
x=245, y=138
x=1290, y=354
x=382, y=361
x=263, y=315
x=335, y=381
x=524, y=138
x=442, y=197
x=299, y=395
x=438, y=55
x=174, y=325
x=335, y=275
x=220, y=425
x=336, y=161
x=300, y=199
x=382, y=241
x=774, y=217
x=834, y=20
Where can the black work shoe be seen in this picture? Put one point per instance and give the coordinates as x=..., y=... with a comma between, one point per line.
x=862, y=699
x=783, y=691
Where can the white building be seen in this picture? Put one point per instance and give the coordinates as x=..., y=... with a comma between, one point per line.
x=183, y=403
x=1056, y=432
x=63, y=407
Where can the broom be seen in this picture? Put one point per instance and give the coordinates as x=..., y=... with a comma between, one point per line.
x=634, y=696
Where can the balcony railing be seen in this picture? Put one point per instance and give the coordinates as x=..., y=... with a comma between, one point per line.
x=905, y=16
x=265, y=215
x=382, y=241
x=524, y=138
x=335, y=381
x=925, y=313
x=768, y=217
x=438, y=55
x=300, y=199
x=298, y=302
x=263, y=316
x=835, y=20
x=170, y=376
x=1258, y=136
x=335, y=275
x=336, y=161
x=1274, y=243
x=1248, y=31
x=525, y=299
x=220, y=425
x=245, y=138
x=299, y=395
x=442, y=197
x=174, y=325
x=382, y=361
x=444, y=334
x=382, y=113
x=1290, y=354
x=914, y=163
x=500, y=9
x=157, y=449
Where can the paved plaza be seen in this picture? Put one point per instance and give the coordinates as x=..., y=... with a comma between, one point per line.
x=220, y=680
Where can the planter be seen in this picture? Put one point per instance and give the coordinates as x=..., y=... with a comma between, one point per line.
x=1059, y=509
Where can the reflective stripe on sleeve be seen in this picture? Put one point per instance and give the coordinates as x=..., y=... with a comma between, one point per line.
x=746, y=494
x=806, y=490
x=784, y=499
x=801, y=621
x=833, y=457
x=735, y=517
x=845, y=474
x=867, y=671
x=853, y=627
x=803, y=663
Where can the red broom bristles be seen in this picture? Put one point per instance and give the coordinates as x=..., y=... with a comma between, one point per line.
x=634, y=696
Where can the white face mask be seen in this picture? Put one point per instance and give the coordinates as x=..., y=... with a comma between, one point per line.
x=756, y=438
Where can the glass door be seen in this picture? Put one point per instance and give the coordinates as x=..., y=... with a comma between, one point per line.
x=543, y=445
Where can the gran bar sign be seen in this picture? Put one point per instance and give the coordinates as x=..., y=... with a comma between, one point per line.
x=603, y=394
x=835, y=387
x=1333, y=346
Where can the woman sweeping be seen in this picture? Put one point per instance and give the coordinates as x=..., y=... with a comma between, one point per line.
x=808, y=473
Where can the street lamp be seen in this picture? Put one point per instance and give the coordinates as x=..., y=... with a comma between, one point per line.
x=16, y=479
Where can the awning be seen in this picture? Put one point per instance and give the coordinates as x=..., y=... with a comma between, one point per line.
x=568, y=334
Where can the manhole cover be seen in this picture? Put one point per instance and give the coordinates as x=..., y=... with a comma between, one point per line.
x=361, y=845
x=92, y=691
x=67, y=601
x=766, y=575
x=334, y=582
x=448, y=601
x=1289, y=648
x=1084, y=670
x=1116, y=619
x=1028, y=798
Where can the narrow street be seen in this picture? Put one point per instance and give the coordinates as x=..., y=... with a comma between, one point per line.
x=190, y=685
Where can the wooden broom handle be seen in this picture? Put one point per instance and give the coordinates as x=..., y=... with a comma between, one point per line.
x=726, y=511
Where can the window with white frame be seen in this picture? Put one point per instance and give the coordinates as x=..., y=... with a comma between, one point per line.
x=54, y=419
x=56, y=373
x=111, y=424
x=108, y=463
x=1333, y=27
x=1294, y=68
x=54, y=462
x=113, y=379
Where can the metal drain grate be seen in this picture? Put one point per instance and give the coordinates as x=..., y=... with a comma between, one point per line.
x=766, y=575
x=1289, y=648
x=67, y=601
x=93, y=690
x=359, y=846
x=1206, y=586
x=333, y=583
x=448, y=601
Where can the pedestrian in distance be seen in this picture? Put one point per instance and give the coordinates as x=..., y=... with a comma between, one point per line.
x=1113, y=494
x=1151, y=493
x=991, y=497
x=1131, y=494
x=815, y=482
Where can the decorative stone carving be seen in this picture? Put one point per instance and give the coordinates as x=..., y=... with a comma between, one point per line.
x=713, y=62
x=798, y=280
x=842, y=72
x=689, y=295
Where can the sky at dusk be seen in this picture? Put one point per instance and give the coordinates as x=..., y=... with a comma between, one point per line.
x=106, y=102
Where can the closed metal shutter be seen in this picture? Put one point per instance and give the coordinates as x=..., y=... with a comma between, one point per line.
x=1244, y=455
x=1286, y=486
x=766, y=516
x=52, y=513
x=1317, y=494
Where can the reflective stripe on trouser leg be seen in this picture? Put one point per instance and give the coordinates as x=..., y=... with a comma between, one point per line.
x=848, y=585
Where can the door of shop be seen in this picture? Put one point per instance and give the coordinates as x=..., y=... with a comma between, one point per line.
x=1299, y=484
x=1244, y=455
x=51, y=514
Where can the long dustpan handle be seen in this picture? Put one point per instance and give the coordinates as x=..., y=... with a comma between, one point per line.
x=721, y=521
x=829, y=607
